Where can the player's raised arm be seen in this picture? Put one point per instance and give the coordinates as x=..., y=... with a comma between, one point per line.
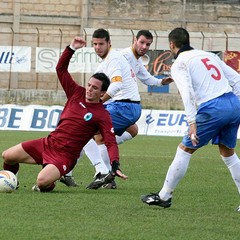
x=78, y=42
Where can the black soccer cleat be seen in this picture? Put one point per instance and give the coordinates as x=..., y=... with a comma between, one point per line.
x=154, y=199
x=111, y=185
x=69, y=181
x=100, y=180
x=238, y=209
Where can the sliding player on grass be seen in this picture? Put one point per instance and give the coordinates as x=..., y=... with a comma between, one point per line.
x=82, y=117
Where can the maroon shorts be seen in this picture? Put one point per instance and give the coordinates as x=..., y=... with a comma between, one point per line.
x=44, y=154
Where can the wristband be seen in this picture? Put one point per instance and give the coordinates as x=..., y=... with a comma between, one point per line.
x=71, y=47
x=191, y=122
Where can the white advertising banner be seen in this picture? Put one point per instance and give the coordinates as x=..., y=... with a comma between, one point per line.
x=162, y=123
x=45, y=118
x=15, y=59
x=29, y=118
x=84, y=60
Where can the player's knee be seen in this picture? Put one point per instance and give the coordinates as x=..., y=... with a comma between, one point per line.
x=6, y=155
x=133, y=130
x=43, y=182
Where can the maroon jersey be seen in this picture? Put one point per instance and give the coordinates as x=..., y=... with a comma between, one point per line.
x=80, y=120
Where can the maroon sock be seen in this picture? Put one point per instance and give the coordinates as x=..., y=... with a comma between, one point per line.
x=49, y=189
x=12, y=168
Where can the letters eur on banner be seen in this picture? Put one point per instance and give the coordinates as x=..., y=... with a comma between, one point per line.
x=162, y=123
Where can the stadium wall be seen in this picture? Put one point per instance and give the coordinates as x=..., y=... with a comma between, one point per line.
x=213, y=26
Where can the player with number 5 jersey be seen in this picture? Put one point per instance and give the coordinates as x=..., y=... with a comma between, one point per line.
x=210, y=91
x=200, y=76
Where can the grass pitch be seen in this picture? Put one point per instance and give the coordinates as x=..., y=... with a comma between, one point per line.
x=203, y=203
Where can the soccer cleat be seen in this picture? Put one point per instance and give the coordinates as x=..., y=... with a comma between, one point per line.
x=36, y=188
x=48, y=189
x=100, y=180
x=238, y=209
x=68, y=181
x=154, y=199
x=111, y=185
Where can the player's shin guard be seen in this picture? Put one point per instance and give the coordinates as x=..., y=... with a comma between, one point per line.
x=233, y=164
x=176, y=172
x=92, y=151
x=105, y=156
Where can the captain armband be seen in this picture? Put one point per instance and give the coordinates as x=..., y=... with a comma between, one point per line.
x=116, y=79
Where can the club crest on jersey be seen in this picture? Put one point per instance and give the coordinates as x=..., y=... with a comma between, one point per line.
x=88, y=116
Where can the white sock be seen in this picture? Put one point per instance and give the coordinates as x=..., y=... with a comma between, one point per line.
x=123, y=138
x=105, y=156
x=69, y=174
x=233, y=165
x=176, y=172
x=92, y=151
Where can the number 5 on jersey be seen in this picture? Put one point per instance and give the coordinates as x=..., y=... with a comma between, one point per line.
x=210, y=66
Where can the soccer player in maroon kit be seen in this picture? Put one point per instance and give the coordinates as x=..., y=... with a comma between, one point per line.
x=82, y=117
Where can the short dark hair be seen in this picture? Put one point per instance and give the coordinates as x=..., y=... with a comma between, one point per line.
x=101, y=33
x=103, y=78
x=179, y=36
x=147, y=34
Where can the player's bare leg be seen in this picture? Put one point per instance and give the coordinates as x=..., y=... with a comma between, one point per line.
x=46, y=178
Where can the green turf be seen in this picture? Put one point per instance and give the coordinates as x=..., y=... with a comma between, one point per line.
x=203, y=203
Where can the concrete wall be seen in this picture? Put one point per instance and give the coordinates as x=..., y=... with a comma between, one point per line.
x=49, y=97
x=213, y=25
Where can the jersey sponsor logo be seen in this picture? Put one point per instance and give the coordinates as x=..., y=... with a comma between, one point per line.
x=82, y=105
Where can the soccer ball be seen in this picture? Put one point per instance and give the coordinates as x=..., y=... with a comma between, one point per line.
x=8, y=181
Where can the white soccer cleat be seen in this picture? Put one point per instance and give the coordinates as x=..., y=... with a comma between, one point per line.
x=36, y=188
